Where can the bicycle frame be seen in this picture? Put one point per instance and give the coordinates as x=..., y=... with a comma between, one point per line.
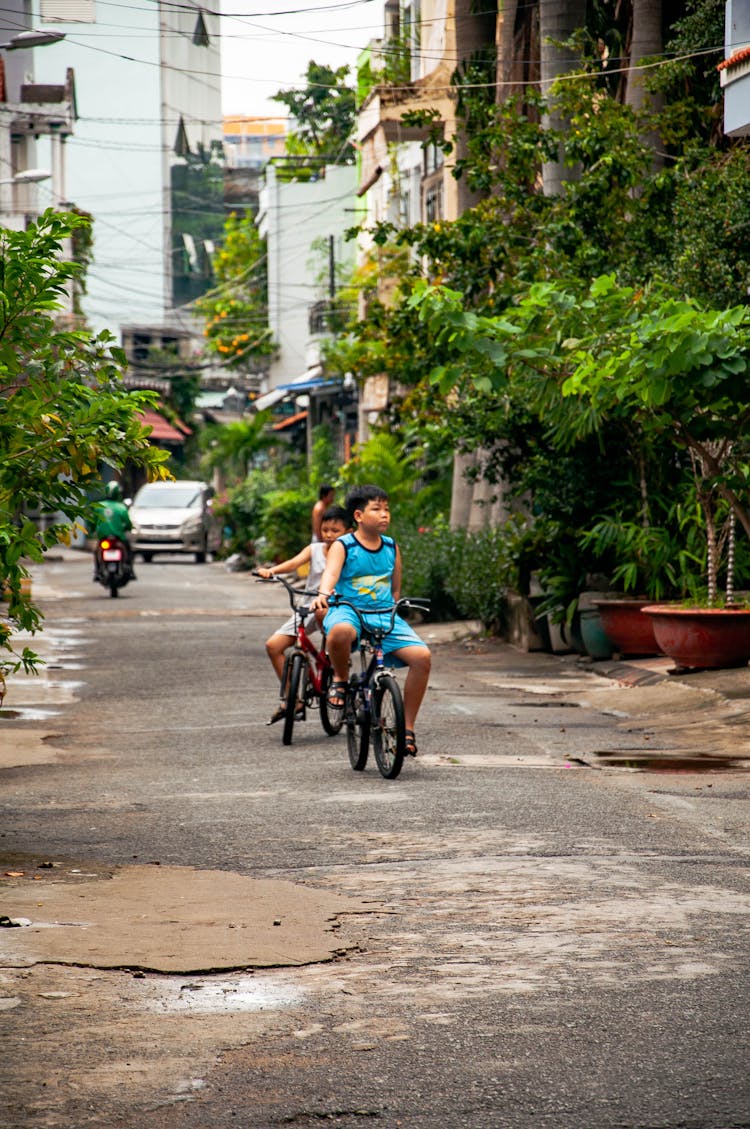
x=374, y=710
x=371, y=639
x=317, y=660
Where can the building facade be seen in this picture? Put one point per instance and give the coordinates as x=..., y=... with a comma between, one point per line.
x=147, y=159
x=304, y=224
x=36, y=119
x=405, y=179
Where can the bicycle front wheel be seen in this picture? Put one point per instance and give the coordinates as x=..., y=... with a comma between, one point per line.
x=331, y=717
x=295, y=693
x=357, y=721
x=388, y=733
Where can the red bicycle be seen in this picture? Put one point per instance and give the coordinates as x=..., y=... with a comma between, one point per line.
x=307, y=671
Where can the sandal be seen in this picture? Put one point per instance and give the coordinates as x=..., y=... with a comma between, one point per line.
x=410, y=743
x=280, y=712
x=336, y=695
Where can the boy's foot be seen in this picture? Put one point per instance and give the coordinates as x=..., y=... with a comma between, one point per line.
x=280, y=712
x=277, y=714
x=336, y=695
x=410, y=743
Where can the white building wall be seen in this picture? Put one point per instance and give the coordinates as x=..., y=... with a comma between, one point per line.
x=292, y=217
x=136, y=71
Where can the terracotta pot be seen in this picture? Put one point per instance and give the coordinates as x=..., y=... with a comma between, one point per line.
x=630, y=632
x=710, y=638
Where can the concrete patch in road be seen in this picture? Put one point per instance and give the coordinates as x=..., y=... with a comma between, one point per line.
x=173, y=919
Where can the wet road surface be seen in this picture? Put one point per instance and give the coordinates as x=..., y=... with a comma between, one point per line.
x=537, y=941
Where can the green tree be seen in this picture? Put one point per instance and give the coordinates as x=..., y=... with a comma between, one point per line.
x=231, y=447
x=323, y=113
x=236, y=310
x=64, y=413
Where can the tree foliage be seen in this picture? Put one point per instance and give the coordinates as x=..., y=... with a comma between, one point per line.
x=64, y=414
x=236, y=310
x=323, y=113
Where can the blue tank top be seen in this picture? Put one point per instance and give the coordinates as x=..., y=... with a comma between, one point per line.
x=366, y=578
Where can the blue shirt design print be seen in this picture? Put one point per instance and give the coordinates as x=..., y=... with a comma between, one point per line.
x=367, y=574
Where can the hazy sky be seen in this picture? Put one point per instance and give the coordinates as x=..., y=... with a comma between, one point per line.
x=264, y=50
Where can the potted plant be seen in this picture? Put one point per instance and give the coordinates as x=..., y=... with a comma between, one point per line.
x=685, y=374
x=648, y=565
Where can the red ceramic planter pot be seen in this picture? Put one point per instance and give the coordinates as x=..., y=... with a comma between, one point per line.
x=629, y=631
x=702, y=637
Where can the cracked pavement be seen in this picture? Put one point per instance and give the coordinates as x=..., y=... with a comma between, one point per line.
x=522, y=930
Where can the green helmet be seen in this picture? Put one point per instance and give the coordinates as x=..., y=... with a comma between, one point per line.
x=112, y=490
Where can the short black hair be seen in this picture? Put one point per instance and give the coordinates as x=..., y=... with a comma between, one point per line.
x=336, y=513
x=359, y=496
x=325, y=489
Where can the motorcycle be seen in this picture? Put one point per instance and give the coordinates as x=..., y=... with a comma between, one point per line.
x=112, y=566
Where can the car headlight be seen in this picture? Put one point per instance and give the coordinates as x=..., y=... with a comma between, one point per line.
x=191, y=525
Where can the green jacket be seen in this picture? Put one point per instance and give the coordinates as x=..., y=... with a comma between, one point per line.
x=113, y=520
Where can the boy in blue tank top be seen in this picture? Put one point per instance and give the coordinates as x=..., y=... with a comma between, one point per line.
x=365, y=567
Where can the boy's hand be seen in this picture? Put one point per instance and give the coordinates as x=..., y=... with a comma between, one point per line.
x=320, y=603
x=266, y=573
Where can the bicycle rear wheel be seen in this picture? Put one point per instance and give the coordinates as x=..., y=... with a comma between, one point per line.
x=295, y=693
x=357, y=721
x=388, y=733
x=331, y=717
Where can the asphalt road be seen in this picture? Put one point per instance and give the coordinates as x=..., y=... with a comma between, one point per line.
x=532, y=940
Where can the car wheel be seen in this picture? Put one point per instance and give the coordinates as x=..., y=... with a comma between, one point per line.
x=148, y=557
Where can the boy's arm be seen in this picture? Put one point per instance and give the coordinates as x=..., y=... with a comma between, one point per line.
x=396, y=577
x=287, y=566
x=334, y=564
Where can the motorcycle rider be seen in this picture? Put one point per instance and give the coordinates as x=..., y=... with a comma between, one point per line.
x=113, y=520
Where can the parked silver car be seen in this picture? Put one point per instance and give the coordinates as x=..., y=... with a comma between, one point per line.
x=174, y=517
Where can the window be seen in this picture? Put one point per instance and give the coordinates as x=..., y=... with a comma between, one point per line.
x=67, y=11
x=433, y=203
x=433, y=158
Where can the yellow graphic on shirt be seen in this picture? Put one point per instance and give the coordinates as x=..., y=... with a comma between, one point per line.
x=372, y=586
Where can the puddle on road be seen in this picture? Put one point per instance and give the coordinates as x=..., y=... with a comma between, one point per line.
x=210, y=996
x=670, y=762
x=552, y=705
x=27, y=714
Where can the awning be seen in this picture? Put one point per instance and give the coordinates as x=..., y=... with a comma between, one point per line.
x=161, y=428
x=309, y=379
x=289, y=421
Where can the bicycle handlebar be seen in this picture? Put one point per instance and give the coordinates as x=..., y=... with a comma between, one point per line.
x=380, y=632
x=292, y=592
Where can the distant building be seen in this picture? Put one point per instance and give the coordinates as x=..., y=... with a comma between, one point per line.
x=36, y=119
x=304, y=224
x=249, y=143
x=147, y=158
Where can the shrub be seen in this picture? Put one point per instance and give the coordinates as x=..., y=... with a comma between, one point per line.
x=468, y=574
x=478, y=575
x=285, y=522
x=426, y=556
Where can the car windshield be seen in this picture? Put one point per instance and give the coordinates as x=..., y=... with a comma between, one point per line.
x=178, y=497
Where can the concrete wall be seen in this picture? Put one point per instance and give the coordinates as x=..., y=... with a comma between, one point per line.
x=293, y=216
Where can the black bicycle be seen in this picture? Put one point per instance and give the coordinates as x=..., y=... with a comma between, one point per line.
x=374, y=709
x=307, y=671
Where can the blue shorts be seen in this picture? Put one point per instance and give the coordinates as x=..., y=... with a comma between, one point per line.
x=402, y=635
